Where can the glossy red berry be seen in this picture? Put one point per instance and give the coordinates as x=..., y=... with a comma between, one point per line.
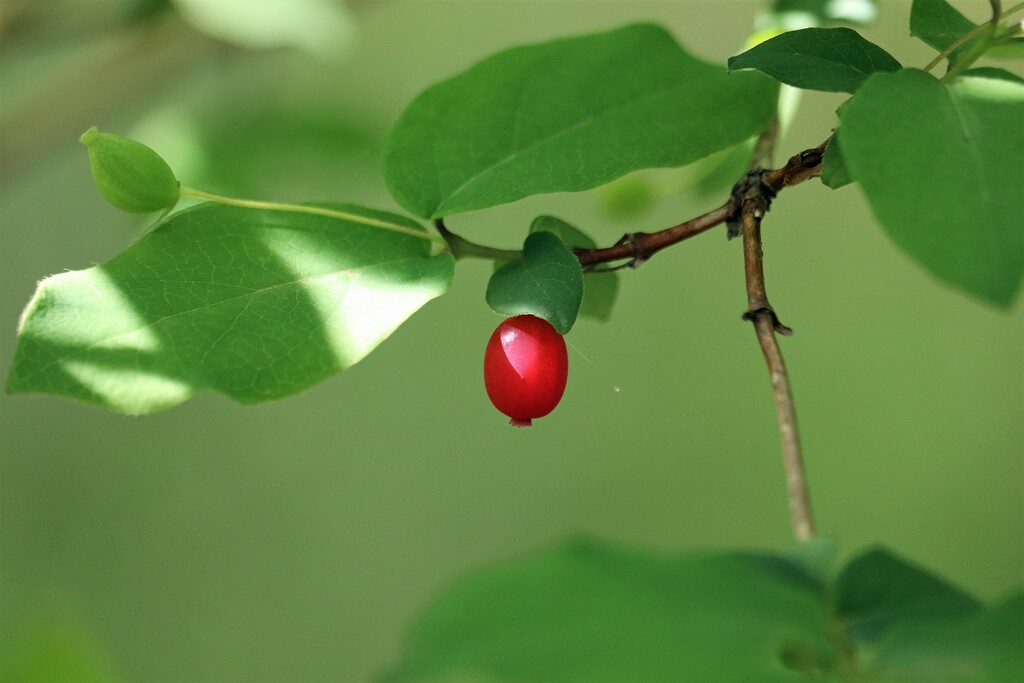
x=525, y=368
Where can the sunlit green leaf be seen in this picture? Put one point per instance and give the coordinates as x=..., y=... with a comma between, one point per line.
x=567, y=115
x=962, y=218
x=599, y=289
x=587, y=612
x=830, y=59
x=547, y=283
x=254, y=304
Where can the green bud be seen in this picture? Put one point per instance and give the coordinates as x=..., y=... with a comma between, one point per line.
x=128, y=174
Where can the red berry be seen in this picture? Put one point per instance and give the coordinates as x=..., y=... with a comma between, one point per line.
x=525, y=368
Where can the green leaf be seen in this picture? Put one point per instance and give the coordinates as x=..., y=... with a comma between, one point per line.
x=910, y=625
x=834, y=172
x=809, y=12
x=567, y=115
x=940, y=167
x=547, y=283
x=830, y=59
x=938, y=24
x=599, y=289
x=992, y=72
x=878, y=588
x=587, y=612
x=1008, y=48
x=254, y=304
x=985, y=646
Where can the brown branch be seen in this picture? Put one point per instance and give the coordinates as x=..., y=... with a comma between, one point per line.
x=637, y=247
x=640, y=246
x=754, y=194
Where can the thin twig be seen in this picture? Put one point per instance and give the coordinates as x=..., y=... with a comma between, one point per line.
x=980, y=28
x=754, y=194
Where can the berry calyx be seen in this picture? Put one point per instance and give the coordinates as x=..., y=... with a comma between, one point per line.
x=128, y=174
x=525, y=368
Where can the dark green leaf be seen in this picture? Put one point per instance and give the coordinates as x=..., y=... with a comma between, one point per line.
x=547, y=283
x=982, y=647
x=834, y=172
x=878, y=588
x=254, y=304
x=599, y=289
x=938, y=24
x=823, y=11
x=940, y=167
x=830, y=59
x=567, y=115
x=586, y=612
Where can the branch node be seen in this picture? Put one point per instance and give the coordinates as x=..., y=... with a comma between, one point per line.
x=637, y=245
x=753, y=194
x=753, y=314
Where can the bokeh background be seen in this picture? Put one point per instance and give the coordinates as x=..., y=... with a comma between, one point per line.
x=297, y=540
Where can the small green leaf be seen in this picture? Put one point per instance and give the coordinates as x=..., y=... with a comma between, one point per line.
x=254, y=304
x=567, y=115
x=878, y=588
x=830, y=59
x=599, y=289
x=547, y=283
x=961, y=219
x=587, y=612
x=938, y=24
x=834, y=172
x=128, y=174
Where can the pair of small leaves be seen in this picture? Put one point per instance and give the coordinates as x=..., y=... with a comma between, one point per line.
x=549, y=282
x=587, y=611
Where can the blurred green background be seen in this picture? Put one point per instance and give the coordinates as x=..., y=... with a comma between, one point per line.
x=297, y=540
